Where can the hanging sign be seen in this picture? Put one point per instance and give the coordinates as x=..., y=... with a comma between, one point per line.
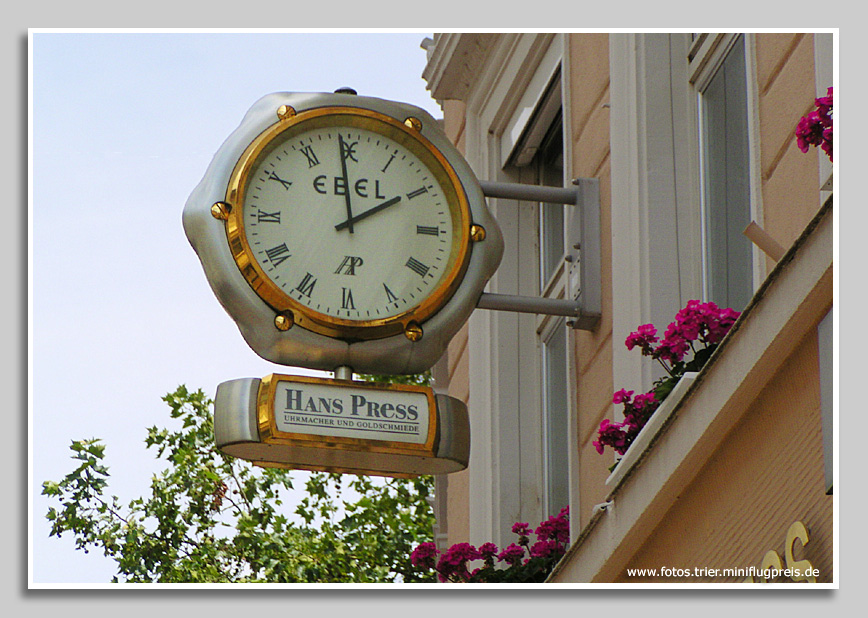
x=343, y=232
x=341, y=426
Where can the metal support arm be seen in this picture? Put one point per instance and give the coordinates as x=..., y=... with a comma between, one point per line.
x=584, y=283
x=530, y=193
x=530, y=304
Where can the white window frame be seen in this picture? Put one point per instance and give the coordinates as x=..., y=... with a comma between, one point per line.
x=656, y=227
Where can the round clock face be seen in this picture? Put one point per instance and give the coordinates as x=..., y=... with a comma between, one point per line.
x=348, y=222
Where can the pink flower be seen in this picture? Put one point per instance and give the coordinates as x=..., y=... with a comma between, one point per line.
x=423, y=556
x=612, y=434
x=645, y=400
x=556, y=527
x=815, y=129
x=487, y=551
x=512, y=554
x=718, y=329
x=521, y=529
x=453, y=563
x=636, y=415
x=827, y=142
x=673, y=348
x=809, y=132
x=547, y=548
x=643, y=338
x=622, y=396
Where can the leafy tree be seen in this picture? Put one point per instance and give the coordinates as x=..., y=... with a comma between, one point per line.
x=213, y=518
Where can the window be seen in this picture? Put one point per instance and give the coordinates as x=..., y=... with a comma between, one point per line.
x=537, y=157
x=555, y=417
x=516, y=370
x=725, y=168
x=549, y=164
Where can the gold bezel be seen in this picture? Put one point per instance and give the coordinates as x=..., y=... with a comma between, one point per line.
x=270, y=434
x=407, y=135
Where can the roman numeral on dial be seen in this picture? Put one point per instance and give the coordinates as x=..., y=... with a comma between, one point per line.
x=286, y=184
x=277, y=255
x=417, y=267
x=306, y=285
x=268, y=217
x=390, y=295
x=417, y=192
x=427, y=229
x=310, y=155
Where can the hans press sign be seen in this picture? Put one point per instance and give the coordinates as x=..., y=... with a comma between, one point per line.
x=341, y=426
x=301, y=407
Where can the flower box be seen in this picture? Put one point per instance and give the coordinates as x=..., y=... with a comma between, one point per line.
x=651, y=429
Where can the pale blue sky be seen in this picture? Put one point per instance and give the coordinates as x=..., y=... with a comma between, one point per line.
x=123, y=128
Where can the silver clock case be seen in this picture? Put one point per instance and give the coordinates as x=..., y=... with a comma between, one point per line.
x=298, y=347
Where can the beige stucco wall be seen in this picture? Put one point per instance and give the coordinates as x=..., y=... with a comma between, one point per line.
x=767, y=474
x=786, y=92
x=589, y=78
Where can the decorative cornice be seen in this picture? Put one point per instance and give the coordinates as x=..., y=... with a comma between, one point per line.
x=454, y=61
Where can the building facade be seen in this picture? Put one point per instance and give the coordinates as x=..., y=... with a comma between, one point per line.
x=691, y=138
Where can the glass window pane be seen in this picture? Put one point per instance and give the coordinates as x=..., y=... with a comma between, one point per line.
x=551, y=173
x=727, y=184
x=556, y=419
x=552, y=240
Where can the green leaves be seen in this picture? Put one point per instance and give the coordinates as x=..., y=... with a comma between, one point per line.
x=211, y=518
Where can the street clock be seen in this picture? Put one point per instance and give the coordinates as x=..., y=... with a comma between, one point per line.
x=341, y=230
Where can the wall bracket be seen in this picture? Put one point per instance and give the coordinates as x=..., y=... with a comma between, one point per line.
x=583, y=305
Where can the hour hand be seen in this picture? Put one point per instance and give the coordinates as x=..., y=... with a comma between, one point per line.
x=349, y=222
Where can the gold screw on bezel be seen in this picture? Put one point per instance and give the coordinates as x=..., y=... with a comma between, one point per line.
x=285, y=111
x=220, y=210
x=413, y=123
x=284, y=321
x=477, y=233
x=413, y=331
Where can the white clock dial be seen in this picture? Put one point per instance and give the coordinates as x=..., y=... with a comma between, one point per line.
x=353, y=222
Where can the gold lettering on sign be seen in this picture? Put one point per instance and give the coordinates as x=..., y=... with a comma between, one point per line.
x=797, y=570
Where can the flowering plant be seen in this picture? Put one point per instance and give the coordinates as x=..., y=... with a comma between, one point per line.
x=686, y=346
x=521, y=562
x=815, y=129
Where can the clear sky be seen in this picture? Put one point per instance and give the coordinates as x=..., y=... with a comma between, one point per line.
x=123, y=128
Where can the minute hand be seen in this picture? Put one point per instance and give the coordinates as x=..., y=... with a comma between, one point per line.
x=367, y=213
x=343, y=148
